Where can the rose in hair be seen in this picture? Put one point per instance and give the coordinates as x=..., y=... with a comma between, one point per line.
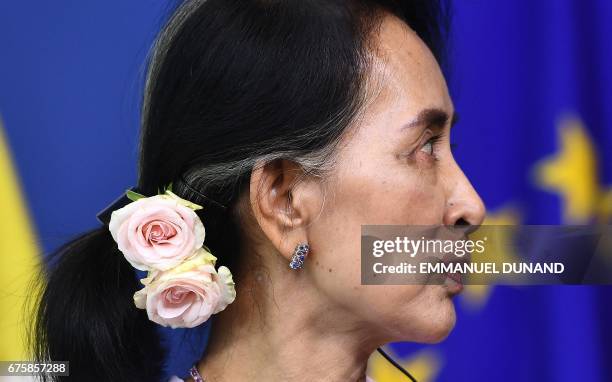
x=157, y=232
x=187, y=295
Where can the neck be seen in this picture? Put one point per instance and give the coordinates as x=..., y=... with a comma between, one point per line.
x=285, y=331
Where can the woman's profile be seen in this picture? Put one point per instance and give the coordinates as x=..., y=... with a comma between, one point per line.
x=291, y=123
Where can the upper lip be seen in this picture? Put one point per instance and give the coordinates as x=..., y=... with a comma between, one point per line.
x=451, y=257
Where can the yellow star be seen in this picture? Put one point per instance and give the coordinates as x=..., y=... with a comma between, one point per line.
x=605, y=207
x=572, y=172
x=424, y=366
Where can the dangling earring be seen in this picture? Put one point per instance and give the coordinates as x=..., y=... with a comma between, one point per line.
x=299, y=254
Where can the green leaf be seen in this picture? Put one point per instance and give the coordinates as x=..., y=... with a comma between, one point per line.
x=134, y=196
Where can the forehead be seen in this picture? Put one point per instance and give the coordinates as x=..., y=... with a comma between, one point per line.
x=404, y=73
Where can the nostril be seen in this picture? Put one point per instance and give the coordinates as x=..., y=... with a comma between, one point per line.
x=461, y=221
x=465, y=226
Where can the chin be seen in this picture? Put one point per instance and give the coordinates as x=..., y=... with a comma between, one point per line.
x=439, y=334
x=441, y=328
x=428, y=319
x=437, y=324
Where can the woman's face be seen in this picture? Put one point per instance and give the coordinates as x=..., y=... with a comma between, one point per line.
x=394, y=167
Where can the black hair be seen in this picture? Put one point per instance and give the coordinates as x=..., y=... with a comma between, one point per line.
x=230, y=84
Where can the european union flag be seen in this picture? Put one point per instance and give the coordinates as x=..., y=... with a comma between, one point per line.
x=532, y=82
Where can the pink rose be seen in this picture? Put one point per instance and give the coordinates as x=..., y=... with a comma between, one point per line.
x=157, y=232
x=186, y=296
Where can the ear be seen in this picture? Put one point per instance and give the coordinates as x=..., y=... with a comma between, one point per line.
x=284, y=201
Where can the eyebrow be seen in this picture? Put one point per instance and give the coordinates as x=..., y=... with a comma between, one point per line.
x=432, y=117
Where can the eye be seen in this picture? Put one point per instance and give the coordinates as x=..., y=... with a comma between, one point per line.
x=428, y=147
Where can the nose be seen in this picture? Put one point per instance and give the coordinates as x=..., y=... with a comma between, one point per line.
x=463, y=204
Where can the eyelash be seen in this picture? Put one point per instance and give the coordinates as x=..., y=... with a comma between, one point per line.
x=434, y=142
x=435, y=139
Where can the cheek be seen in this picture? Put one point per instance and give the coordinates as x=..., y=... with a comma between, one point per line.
x=378, y=192
x=388, y=191
x=336, y=243
x=363, y=196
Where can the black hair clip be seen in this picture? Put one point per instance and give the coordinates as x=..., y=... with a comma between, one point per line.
x=104, y=215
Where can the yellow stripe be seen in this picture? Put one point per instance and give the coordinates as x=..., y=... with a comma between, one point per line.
x=19, y=256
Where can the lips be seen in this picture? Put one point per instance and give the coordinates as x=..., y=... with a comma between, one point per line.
x=456, y=277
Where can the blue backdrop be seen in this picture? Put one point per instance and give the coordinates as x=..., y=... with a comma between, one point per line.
x=531, y=80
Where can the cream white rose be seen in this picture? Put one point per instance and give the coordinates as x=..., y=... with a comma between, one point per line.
x=157, y=232
x=187, y=295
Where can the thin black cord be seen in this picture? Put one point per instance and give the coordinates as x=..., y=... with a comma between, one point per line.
x=392, y=361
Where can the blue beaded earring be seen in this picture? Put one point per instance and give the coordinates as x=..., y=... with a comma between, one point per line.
x=299, y=254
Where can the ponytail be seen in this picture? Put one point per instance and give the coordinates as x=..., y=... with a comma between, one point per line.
x=86, y=315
